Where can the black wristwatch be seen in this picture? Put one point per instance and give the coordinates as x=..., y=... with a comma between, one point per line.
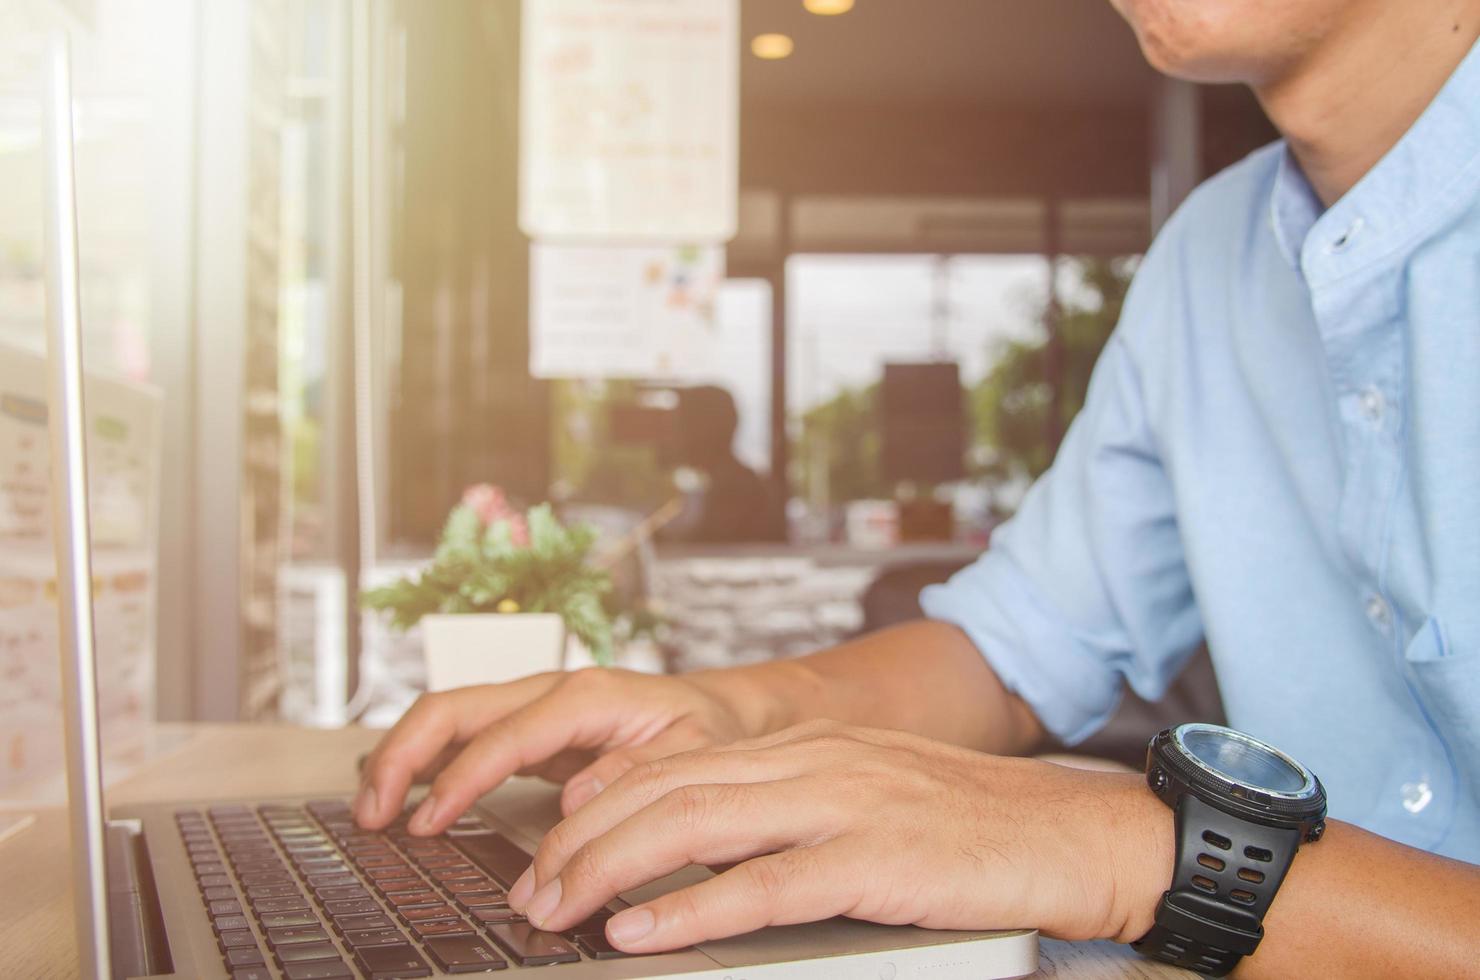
x=1243, y=809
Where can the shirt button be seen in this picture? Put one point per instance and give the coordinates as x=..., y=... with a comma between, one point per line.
x=1378, y=612
x=1416, y=796
x=1347, y=237
x=1373, y=404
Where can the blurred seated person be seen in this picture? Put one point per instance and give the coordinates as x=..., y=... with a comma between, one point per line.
x=731, y=503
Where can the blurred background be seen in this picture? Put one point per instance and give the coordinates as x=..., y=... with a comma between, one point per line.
x=819, y=318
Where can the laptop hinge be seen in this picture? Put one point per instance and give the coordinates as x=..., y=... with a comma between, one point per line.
x=137, y=945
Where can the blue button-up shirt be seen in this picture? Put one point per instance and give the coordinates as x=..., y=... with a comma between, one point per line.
x=1280, y=453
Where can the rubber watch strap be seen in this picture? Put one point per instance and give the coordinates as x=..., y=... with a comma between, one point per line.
x=1227, y=873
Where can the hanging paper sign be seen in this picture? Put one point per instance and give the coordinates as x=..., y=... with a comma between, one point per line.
x=629, y=120
x=623, y=312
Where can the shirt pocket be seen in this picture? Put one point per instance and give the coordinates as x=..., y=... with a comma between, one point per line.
x=1448, y=682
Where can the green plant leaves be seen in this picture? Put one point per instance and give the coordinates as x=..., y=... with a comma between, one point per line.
x=475, y=568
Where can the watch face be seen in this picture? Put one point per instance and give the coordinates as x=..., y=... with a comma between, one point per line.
x=1237, y=758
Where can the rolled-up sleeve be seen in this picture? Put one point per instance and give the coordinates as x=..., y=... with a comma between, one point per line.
x=1086, y=588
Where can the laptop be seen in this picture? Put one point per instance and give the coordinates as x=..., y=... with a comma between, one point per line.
x=291, y=888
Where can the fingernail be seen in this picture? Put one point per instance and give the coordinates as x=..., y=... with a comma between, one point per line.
x=630, y=926
x=523, y=888
x=543, y=904
x=366, y=803
x=580, y=792
x=421, y=820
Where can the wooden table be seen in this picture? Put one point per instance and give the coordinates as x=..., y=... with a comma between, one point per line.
x=233, y=761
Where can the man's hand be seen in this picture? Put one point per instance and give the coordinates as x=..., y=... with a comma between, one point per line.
x=871, y=824
x=585, y=728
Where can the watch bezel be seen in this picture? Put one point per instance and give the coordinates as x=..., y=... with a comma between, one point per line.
x=1308, y=789
x=1172, y=770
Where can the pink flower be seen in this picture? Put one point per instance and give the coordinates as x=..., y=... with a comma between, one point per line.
x=488, y=502
x=518, y=530
x=491, y=506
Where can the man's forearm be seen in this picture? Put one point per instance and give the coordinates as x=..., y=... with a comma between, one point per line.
x=1358, y=905
x=923, y=677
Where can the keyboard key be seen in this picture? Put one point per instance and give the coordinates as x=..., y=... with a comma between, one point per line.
x=213, y=881
x=267, y=878
x=259, y=972
x=227, y=906
x=530, y=946
x=593, y=926
x=454, y=871
x=333, y=893
x=304, y=953
x=490, y=916
x=373, y=937
x=442, y=861
x=307, y=842
x=232, y=940
x=326, y=970
x=421, y=913
x=496, y=855
x=210, y=868
x=407, y=899
x=464, y=954
x=388, y=873
x=244, y=956
x=230, y=923
x=482, y=900
x=380, y=860
x=596, y=947
x=441, y=927
x=264, y=905
x=351, y=906
x=283, y=920
x=386, y=962
x=459, y=886
x=328, y=879
x=274, y=891
x=253, y=867
x=250, y=849
x=289, y=935
x=366, y=920
x=218, y=893
x=321, y=866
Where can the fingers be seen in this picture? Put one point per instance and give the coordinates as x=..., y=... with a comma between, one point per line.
x=695, y=824
x=802, y=885
x=434, y=723
x=607, y=769
x=643, y=786
x=571, y=716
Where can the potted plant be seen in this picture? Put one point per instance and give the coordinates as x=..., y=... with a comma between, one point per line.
x=504, y=594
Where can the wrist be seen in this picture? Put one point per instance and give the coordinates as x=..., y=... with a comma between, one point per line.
x=1143, y=848
x=761, y=698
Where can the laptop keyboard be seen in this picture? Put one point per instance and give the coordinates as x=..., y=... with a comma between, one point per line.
x=302, y=893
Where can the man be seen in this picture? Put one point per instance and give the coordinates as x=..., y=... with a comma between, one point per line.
x=1278, y=452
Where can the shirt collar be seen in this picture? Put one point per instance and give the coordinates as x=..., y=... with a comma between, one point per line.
x=1294, y=207
x=1431, y=173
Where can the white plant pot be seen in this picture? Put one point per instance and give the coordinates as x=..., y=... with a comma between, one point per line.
x=490, y=648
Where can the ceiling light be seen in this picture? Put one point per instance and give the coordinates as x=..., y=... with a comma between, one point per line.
x=827, y=8
x=771, y=47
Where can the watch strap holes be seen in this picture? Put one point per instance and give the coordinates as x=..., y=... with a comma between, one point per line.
x=1207, y=963
x=1217, y=840
x=1204, y=883
x=1258, y=854
x=1242, y=896
x=1210, y=862
x=1251, y=876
